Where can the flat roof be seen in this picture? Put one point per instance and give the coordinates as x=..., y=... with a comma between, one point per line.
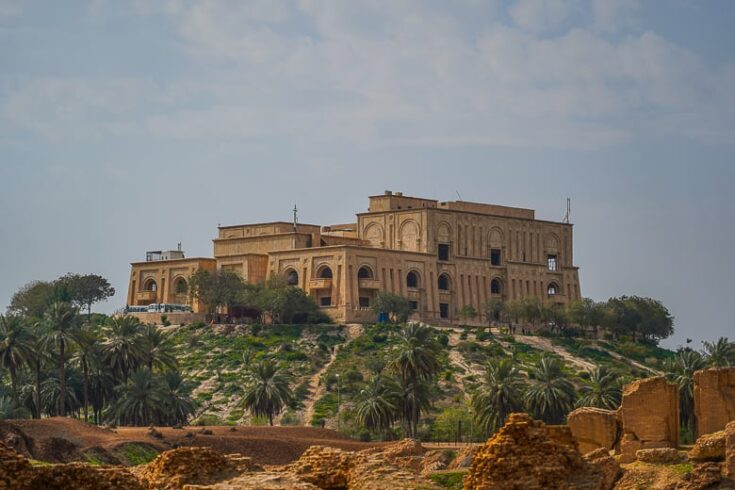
x=183, y=259
x=447, y=210
x=289, y=223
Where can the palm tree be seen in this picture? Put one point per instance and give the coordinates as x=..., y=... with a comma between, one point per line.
x=123, y=344
x=39, y=356
x=601, y=390
x=157, y=351
x=177, y=403
x=55, y=391
x=680, y=369
x=377, y=404
x=267, y=389
x=9, y=409
x=719, y=353
x=141, y=399
x=88, y=352
x=415, y=359
x=499, y=394
x=62, y=320
x=15, y=347
x=551, y=395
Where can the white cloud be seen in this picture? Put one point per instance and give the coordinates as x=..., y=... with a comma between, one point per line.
x=613, y=15
x=541, y=15
x=319, y=73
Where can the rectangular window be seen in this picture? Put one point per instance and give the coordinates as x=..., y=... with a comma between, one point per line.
x=444, y=310
x=364, y=302
x=443, y=251
x=551, y=261
x=414, y=305
x=325, y=301
x=495, y=256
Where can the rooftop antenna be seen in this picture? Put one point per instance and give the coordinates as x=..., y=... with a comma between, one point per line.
x=179, y=247
x=460, y=197
x=295, y=217
x=569, y=210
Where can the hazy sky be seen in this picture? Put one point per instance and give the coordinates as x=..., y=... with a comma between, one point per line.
x=131, y=126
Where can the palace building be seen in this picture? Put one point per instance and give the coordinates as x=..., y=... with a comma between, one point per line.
x=442, y=256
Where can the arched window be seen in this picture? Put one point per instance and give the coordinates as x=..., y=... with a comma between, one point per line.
x=552, y=289
x=495, y=286
x=181, y=287
x=443, y=282
x=325, y=273
x=365, y=272
x=412, y=280
x=292, y=278
x=150, y=285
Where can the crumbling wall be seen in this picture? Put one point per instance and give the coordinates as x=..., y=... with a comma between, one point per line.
x=335, y=469
x=522, y=455
x=649, y=415
x=17, y=473
x=594, y=428
x=714, y=399
x=187, y=465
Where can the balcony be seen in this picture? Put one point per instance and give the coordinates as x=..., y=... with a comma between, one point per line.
x=146, y=297
x=321, y=283
x=368, y=284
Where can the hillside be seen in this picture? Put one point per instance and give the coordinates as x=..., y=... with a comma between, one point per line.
x=327, y=362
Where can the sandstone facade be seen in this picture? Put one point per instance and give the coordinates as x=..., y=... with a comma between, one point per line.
x=440, y=255
x=594, y=428
x=649, y=415
x=714, y=399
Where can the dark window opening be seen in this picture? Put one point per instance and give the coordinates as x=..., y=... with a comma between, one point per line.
x=292, y=278
x=181, y=287
x=364, y=302
x=444, y=310
x=365, y=273
x=552, y=289
x=443, y=282
x=325, y=273
x=325, y=301
x=414, y=305
x=495, y=286
x=443, y=253
x=551, y=262
x=150, y=286
x=412, y=280
x=495, y=256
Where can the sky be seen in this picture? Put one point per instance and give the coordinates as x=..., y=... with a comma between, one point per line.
x=128, y=126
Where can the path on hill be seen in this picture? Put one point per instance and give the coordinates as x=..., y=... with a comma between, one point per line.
x=457, y=360
x=545, y=344
x=628, y=360
x=317, y=390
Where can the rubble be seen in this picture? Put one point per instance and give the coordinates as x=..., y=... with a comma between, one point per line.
x=522, y=455
x=660, y=455
x=728, y=469
x=607, y=466
x=335, y=469
x=17, y=473
x=187, y=465
x=714, y=399
x=709, y=447
x=594, y=428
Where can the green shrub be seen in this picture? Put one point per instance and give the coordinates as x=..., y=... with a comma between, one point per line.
x=449, y=480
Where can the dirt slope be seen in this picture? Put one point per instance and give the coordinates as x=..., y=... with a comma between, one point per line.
x=63, y=440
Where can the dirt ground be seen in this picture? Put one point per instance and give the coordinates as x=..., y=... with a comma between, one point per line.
x=64, y=440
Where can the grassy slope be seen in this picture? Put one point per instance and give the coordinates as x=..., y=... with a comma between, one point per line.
x=213, y=359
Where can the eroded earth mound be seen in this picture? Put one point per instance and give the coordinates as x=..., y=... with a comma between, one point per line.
x=522, y=455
